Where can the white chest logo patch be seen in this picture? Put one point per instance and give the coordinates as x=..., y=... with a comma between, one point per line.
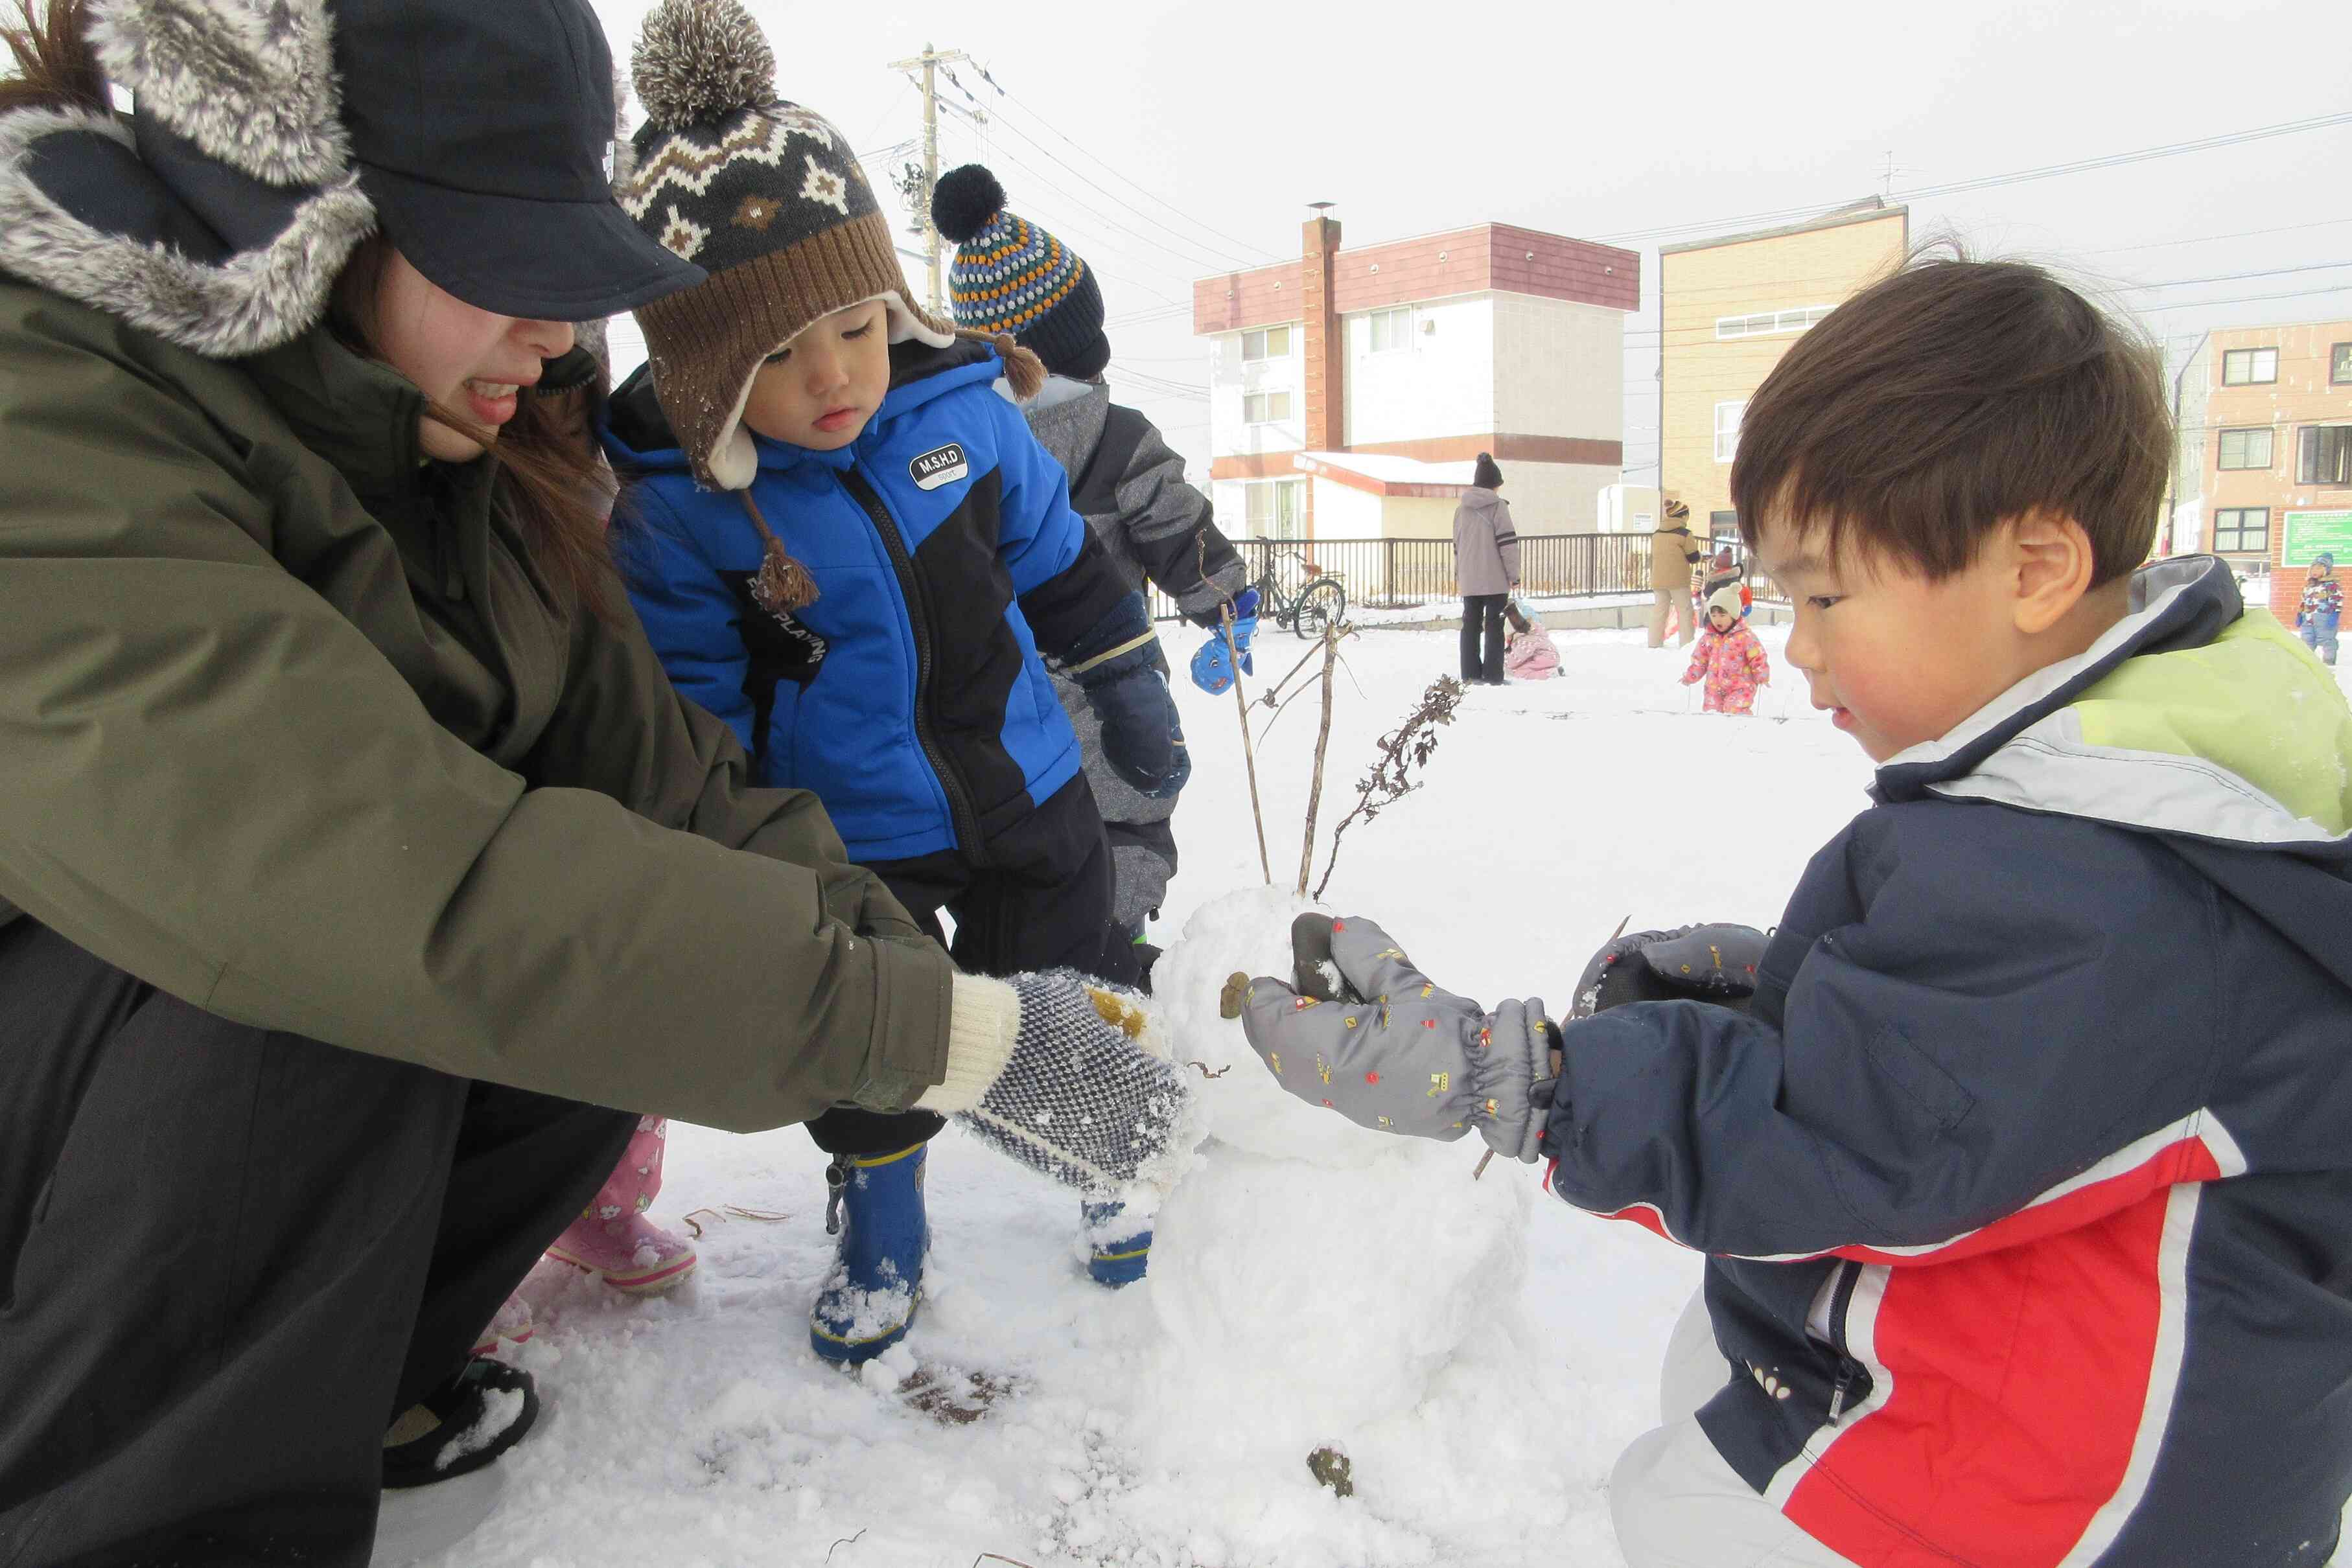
x=941, y=465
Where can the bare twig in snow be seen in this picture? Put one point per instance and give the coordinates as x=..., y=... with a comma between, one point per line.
x=1240, y=709
x=844, y=1541
x=1322, y=741
x=1203, y=1068
x=1400, y=751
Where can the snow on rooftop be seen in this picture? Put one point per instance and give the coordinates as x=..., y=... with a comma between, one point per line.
x=1391, y=469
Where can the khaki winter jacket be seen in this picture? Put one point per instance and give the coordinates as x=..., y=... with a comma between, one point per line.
x=1485, y=544
x=1673, y=553
x=292, y=727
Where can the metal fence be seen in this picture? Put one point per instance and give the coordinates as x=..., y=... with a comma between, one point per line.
x=1404, y=574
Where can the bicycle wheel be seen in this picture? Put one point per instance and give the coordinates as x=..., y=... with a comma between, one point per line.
x=1322, y=604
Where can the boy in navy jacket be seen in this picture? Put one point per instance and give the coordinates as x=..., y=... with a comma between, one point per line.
x=2023, y=1183
x=846, y=544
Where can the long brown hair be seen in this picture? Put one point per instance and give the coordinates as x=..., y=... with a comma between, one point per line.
x=550, y=478
x=56, y=66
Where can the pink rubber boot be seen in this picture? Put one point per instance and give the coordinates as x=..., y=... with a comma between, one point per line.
x=614, y=1237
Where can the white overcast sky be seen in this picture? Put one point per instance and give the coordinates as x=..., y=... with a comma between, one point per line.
x=1135, y=129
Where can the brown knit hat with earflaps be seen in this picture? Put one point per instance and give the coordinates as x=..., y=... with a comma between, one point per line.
x=767, y=198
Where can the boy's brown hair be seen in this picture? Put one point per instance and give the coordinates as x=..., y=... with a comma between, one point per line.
x=1951, y=398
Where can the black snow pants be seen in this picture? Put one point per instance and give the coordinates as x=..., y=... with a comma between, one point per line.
x=229, y=1257
x=1039, y=899
x=1482, y=617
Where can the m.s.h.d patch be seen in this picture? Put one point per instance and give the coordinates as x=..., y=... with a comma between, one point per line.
x=940, y=466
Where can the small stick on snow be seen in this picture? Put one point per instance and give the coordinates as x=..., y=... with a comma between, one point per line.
x=1203, y=1068
x=1322, y=741
x=844, y=1541
x=1249, y=752
x=1481, y=1164
x=1241, y=707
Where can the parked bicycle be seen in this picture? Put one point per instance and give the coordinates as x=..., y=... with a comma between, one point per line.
x=1321, y=599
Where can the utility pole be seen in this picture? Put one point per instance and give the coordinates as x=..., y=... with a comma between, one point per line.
x=931, y=60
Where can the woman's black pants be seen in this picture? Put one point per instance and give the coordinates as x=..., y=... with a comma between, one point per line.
x=228, y=1257
x=1482, y=617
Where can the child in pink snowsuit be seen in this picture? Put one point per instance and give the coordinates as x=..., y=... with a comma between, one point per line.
x=1528, y=653
x=1729, y=656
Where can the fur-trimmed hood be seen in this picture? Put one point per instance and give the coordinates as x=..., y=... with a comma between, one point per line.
x=219, y=212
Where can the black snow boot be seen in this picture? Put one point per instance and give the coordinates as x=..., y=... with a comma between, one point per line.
x=461, y=1426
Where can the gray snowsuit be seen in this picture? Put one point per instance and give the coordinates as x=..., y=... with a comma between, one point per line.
x=1130, y=488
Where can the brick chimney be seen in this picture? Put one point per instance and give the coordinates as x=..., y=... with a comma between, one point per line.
x=1326, y=403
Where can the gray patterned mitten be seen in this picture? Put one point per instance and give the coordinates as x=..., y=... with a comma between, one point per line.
x=1047, y=1070
x=1391, y=1052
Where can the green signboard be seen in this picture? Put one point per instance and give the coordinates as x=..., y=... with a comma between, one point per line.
x=2308, y=533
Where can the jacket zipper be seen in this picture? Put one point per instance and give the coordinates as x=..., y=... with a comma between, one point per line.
x=1849, y=1276
x=960, y=806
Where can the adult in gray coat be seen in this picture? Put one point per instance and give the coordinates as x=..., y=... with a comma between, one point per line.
x=1486, y=568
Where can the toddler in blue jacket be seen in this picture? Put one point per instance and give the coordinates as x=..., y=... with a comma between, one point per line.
x=2022, y=1178
x=846, y=544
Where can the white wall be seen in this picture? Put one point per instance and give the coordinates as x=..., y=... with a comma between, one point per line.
x=1628, y=508
x=1560, y=368
x=1344, y=512
x=1229, y=379
x=1443, y=384
x=1556, y=497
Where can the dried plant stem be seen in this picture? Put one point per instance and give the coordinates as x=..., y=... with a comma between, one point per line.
x=1322, y=741
x=1249, y=751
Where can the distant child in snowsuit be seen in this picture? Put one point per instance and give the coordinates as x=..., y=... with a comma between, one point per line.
x=1528, y=652
x=1010, y=276
x=1728, y=658
x=2322, y=609
x=2022, y=1180
x=849, y=547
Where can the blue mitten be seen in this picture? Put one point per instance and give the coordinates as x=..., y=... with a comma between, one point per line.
x=1212, y=666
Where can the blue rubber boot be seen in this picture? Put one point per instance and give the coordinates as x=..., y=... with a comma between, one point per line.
x=1118, y=1253
x=876, y=1203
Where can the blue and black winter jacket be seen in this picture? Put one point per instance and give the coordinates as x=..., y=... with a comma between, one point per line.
x=909, y=695
x=2027, y=1184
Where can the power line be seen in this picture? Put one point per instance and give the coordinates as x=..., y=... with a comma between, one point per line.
x=1241, y=247
x=2019, y=177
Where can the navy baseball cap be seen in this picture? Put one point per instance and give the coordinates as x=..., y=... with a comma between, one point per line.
x=484, y=132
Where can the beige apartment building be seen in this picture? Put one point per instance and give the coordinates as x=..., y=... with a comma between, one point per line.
x=1730, y=307
x=2264, y=466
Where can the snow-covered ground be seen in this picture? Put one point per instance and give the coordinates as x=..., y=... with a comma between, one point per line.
x=1482, y=1354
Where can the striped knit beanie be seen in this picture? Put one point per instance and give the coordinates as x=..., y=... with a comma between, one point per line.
x=1010, y=276
x=767, y=198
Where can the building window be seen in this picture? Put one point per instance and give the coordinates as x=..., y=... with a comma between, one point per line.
x=1726, y=429
x=2246, y=448
x=2249, y=367
x=1270, y=343
x=1273, y=508
x=1769, y=323
x=2340, y=365
x=2242, y=530
x=2324, y=454
x=1391, y=329
x=1266, y=407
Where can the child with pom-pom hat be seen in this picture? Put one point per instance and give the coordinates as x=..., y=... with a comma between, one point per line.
x=1012, y=276
x=846, y=544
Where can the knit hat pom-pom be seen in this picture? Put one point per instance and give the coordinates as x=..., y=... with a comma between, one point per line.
x=964, y=201
x=701, y=60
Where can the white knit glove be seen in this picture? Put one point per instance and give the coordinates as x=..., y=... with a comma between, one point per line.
x=1047, y=1069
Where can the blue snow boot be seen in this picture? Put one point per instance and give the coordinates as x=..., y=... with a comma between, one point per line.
x=1118, y=1253
x=875, y=1203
